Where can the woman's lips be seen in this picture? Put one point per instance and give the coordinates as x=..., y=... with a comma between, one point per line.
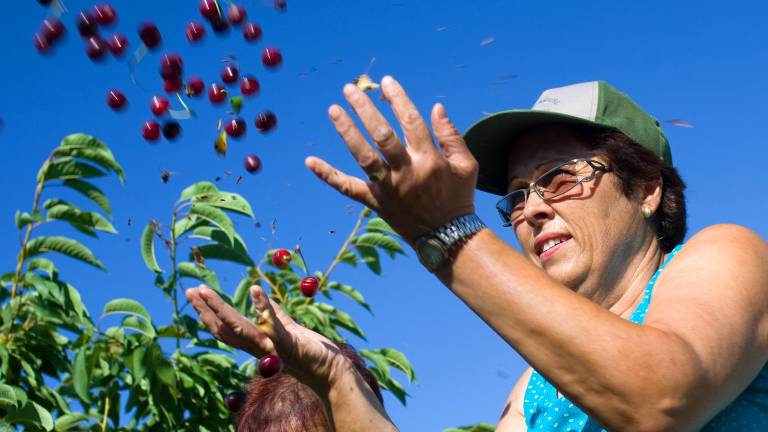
x=552, y=251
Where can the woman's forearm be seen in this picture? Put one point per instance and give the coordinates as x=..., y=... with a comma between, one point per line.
x=605, y=364
x=351, y=405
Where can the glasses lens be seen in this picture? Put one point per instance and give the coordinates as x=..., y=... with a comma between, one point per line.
x=562, y=179
x=511, y=206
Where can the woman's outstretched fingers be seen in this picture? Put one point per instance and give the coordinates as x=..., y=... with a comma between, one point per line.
x=207, y=316
x=416, y=132
x=268, y=323
x=450, y=139
x=235, y=329
x=348, y=185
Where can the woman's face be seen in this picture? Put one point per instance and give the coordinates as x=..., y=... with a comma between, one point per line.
x=595, y=220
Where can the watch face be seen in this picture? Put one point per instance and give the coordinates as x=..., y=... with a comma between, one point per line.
x=431, y=252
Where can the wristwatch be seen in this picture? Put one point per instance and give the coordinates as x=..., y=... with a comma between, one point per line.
x=438, y=247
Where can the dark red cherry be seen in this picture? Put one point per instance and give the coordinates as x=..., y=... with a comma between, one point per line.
x=281, y=258
x=195, y=86
x=95, y=47
x=236, y=13
x=281, y=5
x=195, y=31
x=44, y=2
x=266, y=121
x=309, y=286
x=159, y=105
x=252, y=163
x=251, y=31
x=117, y=44
x=208, y=8
x=230, y=74
x=217, y=93
x=171, y=130
x=269, y=365
x=236, y=400
x=52, y=29
x=104, y=13
x=150, y=35
x=116, y=99
x=151, y=130
x=173, y=85
x=271, y=57
x=219, y=24
x=249, y=85
x=41, y=43
x=87, y=25
x=171, y=66
x=235, y=127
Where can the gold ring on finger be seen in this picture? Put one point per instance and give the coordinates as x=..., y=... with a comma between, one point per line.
x=378, y=175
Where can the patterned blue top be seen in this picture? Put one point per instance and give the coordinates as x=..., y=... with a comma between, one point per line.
x=544, y=411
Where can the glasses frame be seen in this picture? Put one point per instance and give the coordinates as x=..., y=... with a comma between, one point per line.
x=596, y=166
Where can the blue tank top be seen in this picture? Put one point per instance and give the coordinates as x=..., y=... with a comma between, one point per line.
x=544, y=411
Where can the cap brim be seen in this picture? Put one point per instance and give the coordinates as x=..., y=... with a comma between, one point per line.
x=490, y=138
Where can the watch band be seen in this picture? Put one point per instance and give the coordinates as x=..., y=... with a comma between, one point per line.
x=459, y=230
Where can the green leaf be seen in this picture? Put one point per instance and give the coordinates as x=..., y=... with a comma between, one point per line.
x=92, y=192
x=216, y=217
x=236, y=103
x=370, y=257
x=399, y=361
x=215, y=234
x=99, y=157
x=86, y=222
x=70, y=420
x=198, y=188
x=141, y=325
x=7, y=395
x=81, y=376
x=396, y=389
x=241, y=299
x=377, y=224
x=33, y=414
x=189, y=269
x=379, y=360
x=65, y=169
x=382, y=241
x=225, y=200
x=81, y=140
x=186, y=224
x=350, y=292
x=23, y=219
x=218, y=251
x=43, y=264
x=343, y=320
x=126, y=306
x=480, y=427
x=64, y=246
x=148, y=248
x=349, y=257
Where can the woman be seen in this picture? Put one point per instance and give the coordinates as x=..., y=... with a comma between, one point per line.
x=615, y=343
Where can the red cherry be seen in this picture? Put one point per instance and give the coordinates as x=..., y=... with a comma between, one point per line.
x=195, y=31
x=251, y=31
x=208, y=8
x=309, y=286
x=95, y=47
x=252, y=164
x=171, y=66
x=195, y=86
x=266, y=121
x=229, y=74
x=116, y=99
x=41, y=43
x=159, y=105
x=87, y=25
x=52, y=29
x=281, y=5
x=235, y=127
x=217, y=93
x=236, y=13
x=104, y=14
x=281, y=258
x=270, y=365
x=150, y=35
x=151, y=130
x=271, y=57
x=173, y=85
x=249, y=85
x=236, y=400
x=117, y=44
x=171, y=130
x=219, y=24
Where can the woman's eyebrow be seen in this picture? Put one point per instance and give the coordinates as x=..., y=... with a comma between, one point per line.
x=540, y=169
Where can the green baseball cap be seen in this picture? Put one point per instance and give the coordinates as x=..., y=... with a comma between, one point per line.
x=595, y=103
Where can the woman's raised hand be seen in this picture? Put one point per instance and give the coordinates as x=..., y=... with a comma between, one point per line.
x=310, y=357
x=414, y=187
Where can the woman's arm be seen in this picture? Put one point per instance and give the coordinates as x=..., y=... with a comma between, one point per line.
x=705, y=338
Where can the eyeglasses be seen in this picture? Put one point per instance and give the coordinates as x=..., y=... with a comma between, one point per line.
x=552, y=184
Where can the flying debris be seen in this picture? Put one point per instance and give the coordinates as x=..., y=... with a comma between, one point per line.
x=274, y=227
x=441, y=29
x=363, y=81
x=220, y=144
x=487, y=41
x=678, y=122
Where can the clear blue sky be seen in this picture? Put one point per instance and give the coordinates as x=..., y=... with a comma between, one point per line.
x=703, y=62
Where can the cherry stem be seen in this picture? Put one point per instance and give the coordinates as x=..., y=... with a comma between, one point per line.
x=343, y=249
x=301, y=255
x=274, y=289
x=104, y=418
x=182, y=102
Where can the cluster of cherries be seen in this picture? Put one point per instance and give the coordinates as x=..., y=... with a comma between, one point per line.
x=308, y=286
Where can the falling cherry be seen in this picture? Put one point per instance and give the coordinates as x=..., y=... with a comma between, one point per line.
x=252, y=163
x=271, y=57
x=117, y=44
x=251, y=32
x=266, y=121
x=116, y=99
x=151, y=130
x=217, y=93
x=249, y=85
x=150, y=35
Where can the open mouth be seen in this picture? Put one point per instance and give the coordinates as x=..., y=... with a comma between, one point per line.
x=551, y=247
